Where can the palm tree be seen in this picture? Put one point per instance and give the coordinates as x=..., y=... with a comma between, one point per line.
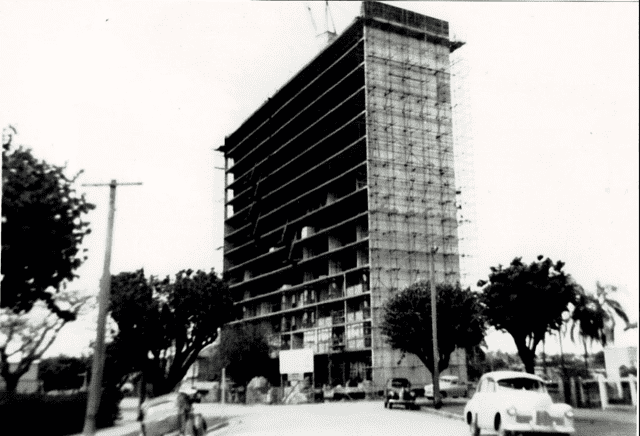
x=612, y=307
x=590, y=318
x=595, y=317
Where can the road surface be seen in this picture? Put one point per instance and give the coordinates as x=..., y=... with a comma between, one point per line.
x=359, y=418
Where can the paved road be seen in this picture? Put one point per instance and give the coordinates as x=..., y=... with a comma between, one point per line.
x=362, y=418
x=368, y=418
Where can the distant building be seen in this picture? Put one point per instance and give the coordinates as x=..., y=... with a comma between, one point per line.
x=620, y=358
x=338, y=187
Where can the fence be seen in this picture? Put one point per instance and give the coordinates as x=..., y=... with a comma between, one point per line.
x=595, y=393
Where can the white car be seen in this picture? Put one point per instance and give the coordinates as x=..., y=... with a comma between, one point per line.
x=512, y=402
x=170, y=415
x=449, y=386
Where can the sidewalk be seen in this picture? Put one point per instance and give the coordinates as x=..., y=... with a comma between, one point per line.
x=127, y=429
x=623, y=415
x=216, y=415
x=454, y=409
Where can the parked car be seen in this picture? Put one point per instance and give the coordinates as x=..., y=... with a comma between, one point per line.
x=398, y=391
x=171, y=415
x=513, y=402
x=450, y=386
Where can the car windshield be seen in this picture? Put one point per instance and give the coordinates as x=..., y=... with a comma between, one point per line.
x=521, y=383
x=400, y=383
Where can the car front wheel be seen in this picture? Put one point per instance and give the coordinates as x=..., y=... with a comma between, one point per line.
x=500, y=428
x=474, y=430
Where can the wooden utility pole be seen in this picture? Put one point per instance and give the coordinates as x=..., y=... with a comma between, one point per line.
x=437, y=402
x=97, y=365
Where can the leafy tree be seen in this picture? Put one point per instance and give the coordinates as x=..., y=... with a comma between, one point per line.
x=139, y=327
x=164, y=324
x=598, y=359
x=527, y=301
x=407, y=322
x=480, y=362
x=26, y=336
x=245, y=351
x=42, y=229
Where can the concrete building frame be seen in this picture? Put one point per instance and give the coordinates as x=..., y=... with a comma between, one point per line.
x=336, y=189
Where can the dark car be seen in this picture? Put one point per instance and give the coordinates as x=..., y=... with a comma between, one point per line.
x=171, y=415
x=398, y=391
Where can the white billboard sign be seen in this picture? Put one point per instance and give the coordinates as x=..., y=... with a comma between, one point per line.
x=296, y=361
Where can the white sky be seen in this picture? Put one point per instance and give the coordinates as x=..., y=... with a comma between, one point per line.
x=143, y=91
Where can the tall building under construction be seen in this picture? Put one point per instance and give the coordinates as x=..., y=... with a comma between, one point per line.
x=337, y=189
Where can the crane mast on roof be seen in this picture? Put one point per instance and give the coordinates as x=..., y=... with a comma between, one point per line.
x=328, y=33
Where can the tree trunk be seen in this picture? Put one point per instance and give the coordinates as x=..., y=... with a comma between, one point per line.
x=427, y=363
x=11, y=382
x=11, y=379
x=160, y=384
x=586, y=357
x=530, y=366
x=544, y=356
x=143, y=390
x=526, y=355
x=444, y=362
x=564, y=370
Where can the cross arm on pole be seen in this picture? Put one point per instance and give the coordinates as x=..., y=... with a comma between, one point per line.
x=113, y=182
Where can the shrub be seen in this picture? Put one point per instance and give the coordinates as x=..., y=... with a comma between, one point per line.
x=41, y=413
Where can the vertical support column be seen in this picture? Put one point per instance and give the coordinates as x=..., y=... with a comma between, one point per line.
x=572, y=387
x=583, y=398
x=97, y=366
x=602, y=388
x=437, y=402
x=619, y=391
x=634, y=390
x=561, y=388
x=95, y=387
x=223, y=386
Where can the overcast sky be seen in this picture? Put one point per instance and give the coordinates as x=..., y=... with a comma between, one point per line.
x=145, y=91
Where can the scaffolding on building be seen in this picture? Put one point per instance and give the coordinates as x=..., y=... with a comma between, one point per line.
x=412, y=201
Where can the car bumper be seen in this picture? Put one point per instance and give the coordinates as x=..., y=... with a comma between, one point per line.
x=534, y=428
x=398, y=401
